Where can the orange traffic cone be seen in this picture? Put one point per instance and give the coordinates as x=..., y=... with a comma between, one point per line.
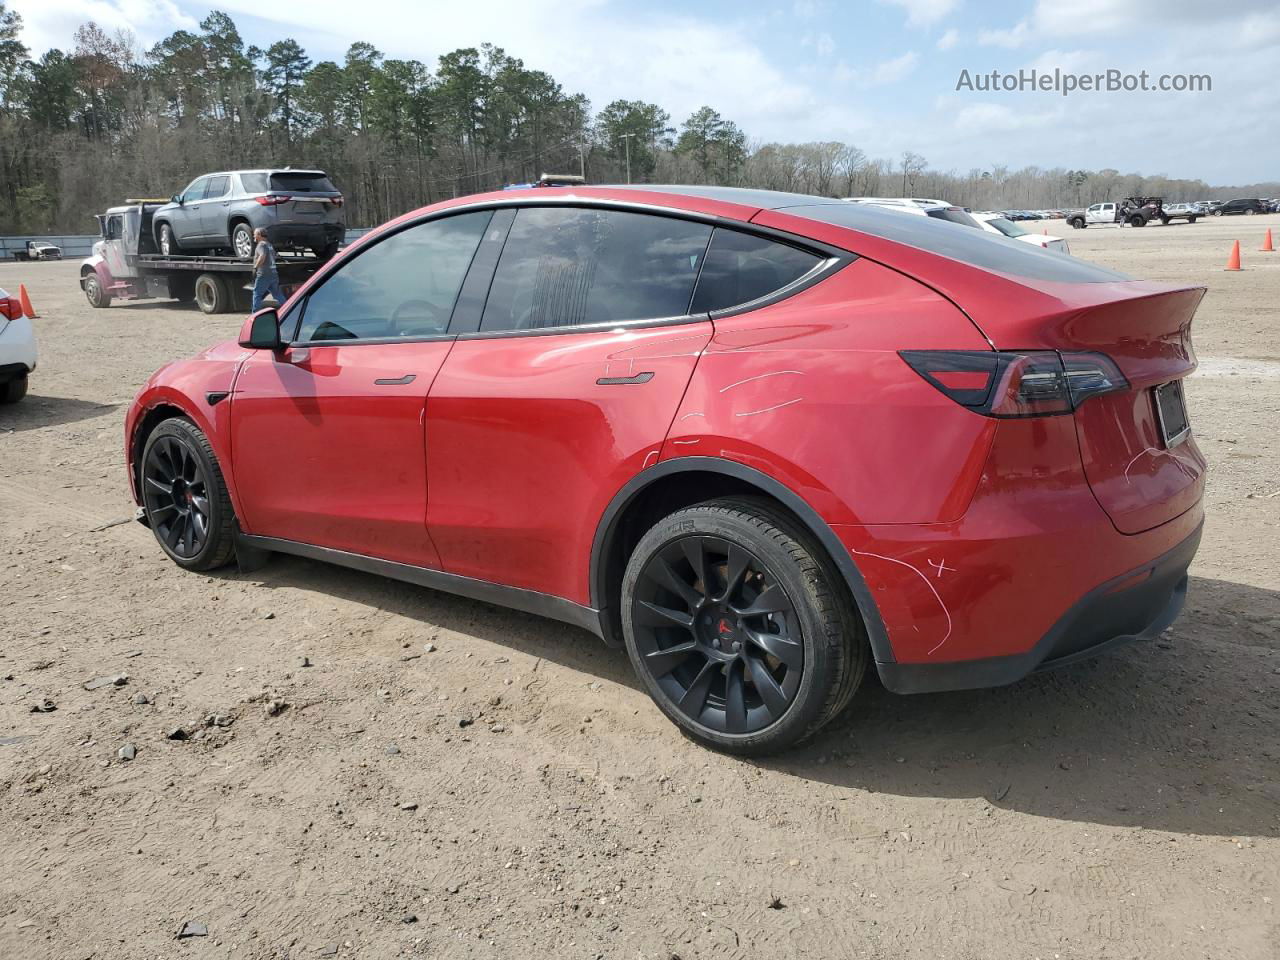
x=1266, y=244
x=1233, y=261
x=24, y=299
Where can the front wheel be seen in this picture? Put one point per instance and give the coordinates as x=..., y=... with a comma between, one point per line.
x=1137, y=221
x=1217, y=213
x=1077, y=224
x=185, y=497
x=1250, y=213
x=168, y=243
x=1191, y=219
x=94, y=292
x=739, y=627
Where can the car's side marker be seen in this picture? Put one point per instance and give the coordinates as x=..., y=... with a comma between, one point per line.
x=214, y=397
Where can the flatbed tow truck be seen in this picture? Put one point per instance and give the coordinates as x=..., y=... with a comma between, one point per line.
x=126, y=265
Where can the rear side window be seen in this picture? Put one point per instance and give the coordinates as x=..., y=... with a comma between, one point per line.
x=403, y=286
x=217, y=187
x=741, y=267
x=302, y=183
x=254, y=182
x=563, y=267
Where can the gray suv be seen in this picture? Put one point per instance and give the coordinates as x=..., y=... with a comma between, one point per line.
x=299, y=208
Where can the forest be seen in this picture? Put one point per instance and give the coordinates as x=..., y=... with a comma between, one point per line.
x=83, y=128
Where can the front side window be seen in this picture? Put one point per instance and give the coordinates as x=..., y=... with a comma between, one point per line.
x=403, y=286
x=115, y=227
x=742, y=267
x=1007, y=227
x=564, y=267
x=196, y=190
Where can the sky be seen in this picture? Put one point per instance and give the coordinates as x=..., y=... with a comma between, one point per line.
x=881, y=74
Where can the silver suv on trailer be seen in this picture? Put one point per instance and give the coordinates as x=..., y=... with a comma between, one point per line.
x=299, y=208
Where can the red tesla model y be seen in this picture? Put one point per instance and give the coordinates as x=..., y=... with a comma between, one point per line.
x=761, y=440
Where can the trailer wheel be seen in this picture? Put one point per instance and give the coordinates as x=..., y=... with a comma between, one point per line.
x=94, y=293
x=212, y=295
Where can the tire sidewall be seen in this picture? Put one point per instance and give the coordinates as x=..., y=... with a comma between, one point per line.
x=186, y=433
x=818, y=673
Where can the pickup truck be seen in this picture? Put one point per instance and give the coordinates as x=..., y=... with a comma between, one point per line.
x=1135, y=211
x=38, y=250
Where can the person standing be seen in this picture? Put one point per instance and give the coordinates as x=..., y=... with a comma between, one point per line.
x=265, y=277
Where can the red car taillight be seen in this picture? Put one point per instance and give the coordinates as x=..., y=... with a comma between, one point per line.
x=1039, y=383
x=274, y=200
x=336, y=201
x=10, y=308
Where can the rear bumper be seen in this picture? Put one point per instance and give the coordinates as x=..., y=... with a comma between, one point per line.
x=305, y=234
x=1137, y=605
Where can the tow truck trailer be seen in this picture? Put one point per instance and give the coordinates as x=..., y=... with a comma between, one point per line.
x=126, y=264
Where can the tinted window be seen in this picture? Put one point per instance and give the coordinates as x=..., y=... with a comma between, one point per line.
x=302, y=183
x=563, y=266
x=953, y=215
x=1008, y=228
x=741, y=267
x=974, y=247
x=217, y=187
x=253, y=182
x=403, y=286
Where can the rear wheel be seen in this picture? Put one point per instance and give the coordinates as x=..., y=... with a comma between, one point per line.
x=242, y=240
x=327, y=252
x=1250, y=212
x=739, y=627
x=185, y=497
x=13, y=390
x=168, y=243
x=1137, y=221
x=183, y=289
x=1192, y=219
x=212, y=295
x=94, y=292
x=1217, y=213
x=1165, y=221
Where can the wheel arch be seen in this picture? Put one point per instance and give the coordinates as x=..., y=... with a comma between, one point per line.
x=673, y=484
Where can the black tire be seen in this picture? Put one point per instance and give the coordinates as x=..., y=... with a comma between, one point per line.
x=212, y=295
x=1250, y=212
x=183, y=289
x=185, y=497
x=1077, y=223
x=13, y=390
x=1165, y=221
x=1217, y=213
x=327, y=253
x=696, y=671
x=94, y=291
x=1192, y=219
x=242, y=240
x=1137, y=221
x=167, y=241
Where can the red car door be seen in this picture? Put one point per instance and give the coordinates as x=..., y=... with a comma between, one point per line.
x=567, y=390
x=327, y=435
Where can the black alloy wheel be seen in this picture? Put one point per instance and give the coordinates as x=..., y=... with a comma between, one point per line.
x=717, y=632
x=175, y=490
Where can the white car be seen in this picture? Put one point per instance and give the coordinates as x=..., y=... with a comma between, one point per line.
x=17, y=349
x=995, y=223
x=924, y=208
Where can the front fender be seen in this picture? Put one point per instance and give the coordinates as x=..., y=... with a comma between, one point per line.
x=98, y=264
x=198, y=389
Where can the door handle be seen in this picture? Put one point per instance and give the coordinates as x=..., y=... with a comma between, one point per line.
x=644, y=377
x=396, y=381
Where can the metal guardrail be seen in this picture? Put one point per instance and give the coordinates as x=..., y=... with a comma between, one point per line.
x=76, y=246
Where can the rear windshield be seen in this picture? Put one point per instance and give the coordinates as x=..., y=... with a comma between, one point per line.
x=302, y=183
x=975, y=247
x=1007, y=227
x=953, y=215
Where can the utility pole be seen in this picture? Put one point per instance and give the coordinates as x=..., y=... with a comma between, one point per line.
x=626, y=142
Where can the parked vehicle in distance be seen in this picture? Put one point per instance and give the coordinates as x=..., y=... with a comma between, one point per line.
x=994, y=223
x=300, y=210
x=1134, y=211
x=126, y=264
x=39, y=250
x=1247, y=207
x=728, y=386
x=1190, y=212
x=924, y=208
x=18, y=353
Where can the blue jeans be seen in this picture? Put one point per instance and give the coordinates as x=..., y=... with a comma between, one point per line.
x=263, y=284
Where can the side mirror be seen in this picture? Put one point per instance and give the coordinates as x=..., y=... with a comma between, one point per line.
x=262, y=331
x=176, y=198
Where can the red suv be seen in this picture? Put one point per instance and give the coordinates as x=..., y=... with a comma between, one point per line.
x=760, y=439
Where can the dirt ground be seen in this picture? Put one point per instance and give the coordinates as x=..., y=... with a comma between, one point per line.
x=1127, y=807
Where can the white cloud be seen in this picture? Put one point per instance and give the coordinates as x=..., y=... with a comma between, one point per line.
x=923, y=13
x=949, y=39
x=892, y=71
x=53, y=24
x=825, y=45
x=1252, y=23
x=1013, y=37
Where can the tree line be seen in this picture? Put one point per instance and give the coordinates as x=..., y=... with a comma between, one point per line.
x=85, y=127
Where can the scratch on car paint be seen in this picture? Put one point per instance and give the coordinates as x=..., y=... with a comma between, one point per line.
x=647, y=456
x=776, y=406
x=902, y=563
x=940, y=565
x=776, y=373
x=688, y=415
x=1157, y=453
x=683, y=442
